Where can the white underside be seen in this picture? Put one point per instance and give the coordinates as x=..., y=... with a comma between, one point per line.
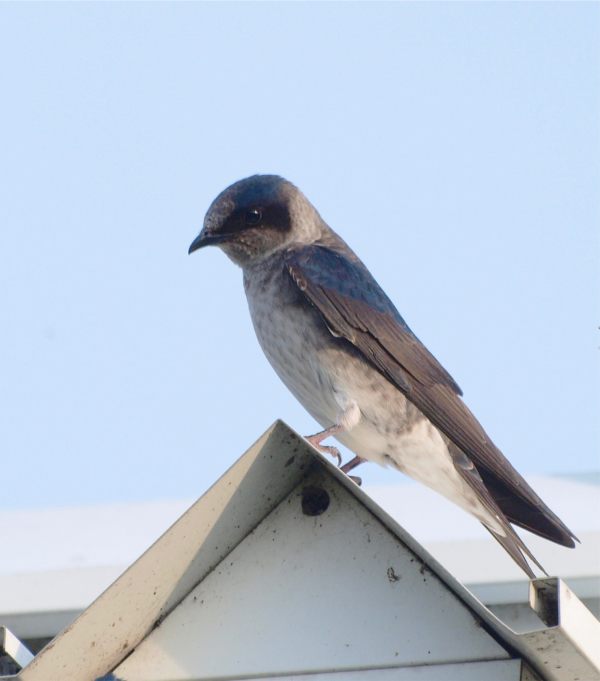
x=421, y=453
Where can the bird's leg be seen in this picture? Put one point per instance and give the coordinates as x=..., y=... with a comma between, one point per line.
x=350, y=465
x=353, y=463
x=316, y=439
x=346, y=420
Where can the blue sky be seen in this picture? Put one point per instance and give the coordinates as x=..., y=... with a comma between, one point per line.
x=454, y=146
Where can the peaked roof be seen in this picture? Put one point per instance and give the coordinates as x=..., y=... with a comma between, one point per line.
x=211, y=529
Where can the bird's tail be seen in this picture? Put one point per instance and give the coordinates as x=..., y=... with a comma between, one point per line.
x=530, y=513
x=516, y=549
x=509, y=539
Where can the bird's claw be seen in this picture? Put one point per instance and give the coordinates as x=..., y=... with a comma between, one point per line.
x=332, y=451
x=315, y=441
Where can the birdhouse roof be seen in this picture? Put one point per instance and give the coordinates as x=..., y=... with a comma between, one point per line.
x=285, y=566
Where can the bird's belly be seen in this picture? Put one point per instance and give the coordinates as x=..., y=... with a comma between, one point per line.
x=327, y=375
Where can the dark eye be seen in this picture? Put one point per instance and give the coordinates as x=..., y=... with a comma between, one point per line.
x=253, y=216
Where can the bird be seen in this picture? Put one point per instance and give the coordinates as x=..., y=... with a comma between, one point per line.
x=341, y=347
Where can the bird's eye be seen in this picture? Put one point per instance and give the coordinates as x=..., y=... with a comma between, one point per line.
x=253, y=216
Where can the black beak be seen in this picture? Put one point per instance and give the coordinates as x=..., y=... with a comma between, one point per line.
x=206, y=239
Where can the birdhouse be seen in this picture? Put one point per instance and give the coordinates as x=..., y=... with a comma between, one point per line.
x=285, y=568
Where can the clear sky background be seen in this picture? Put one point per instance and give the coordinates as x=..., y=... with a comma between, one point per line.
x=455, y=147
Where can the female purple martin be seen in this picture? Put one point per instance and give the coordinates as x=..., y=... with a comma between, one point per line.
x=338, y=343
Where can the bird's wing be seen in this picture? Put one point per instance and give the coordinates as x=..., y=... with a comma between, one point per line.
x=508, y=538
x=354, y=306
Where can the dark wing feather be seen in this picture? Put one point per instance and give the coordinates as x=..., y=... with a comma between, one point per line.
x=354, y=306
x=509, y=539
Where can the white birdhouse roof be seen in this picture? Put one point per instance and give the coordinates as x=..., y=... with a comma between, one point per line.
x=286, y=567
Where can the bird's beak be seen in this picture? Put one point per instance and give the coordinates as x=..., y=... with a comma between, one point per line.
x=206, y=239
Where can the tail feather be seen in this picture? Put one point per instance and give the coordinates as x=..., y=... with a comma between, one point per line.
x=537, y=518
x=516, y=549
x=510, y=540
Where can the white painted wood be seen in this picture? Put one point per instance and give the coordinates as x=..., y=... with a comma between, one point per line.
x=490, y=670
x=303, y=594
x=50, y=577
x=118, y=620
x=13, y=648
x=568, y=649
x=326, y=585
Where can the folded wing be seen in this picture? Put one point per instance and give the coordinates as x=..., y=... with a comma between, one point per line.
x=355, y=307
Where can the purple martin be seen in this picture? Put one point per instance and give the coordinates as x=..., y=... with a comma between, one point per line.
x=338, y=343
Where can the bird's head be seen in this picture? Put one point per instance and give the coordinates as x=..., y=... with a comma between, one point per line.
x=256, y=217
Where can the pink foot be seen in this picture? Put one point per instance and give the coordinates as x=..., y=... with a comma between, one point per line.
x=316, y=439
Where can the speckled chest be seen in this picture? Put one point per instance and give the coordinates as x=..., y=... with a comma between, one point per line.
x=327, y=373
x=324, y=372
x=286, y=325
x=294, y=337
